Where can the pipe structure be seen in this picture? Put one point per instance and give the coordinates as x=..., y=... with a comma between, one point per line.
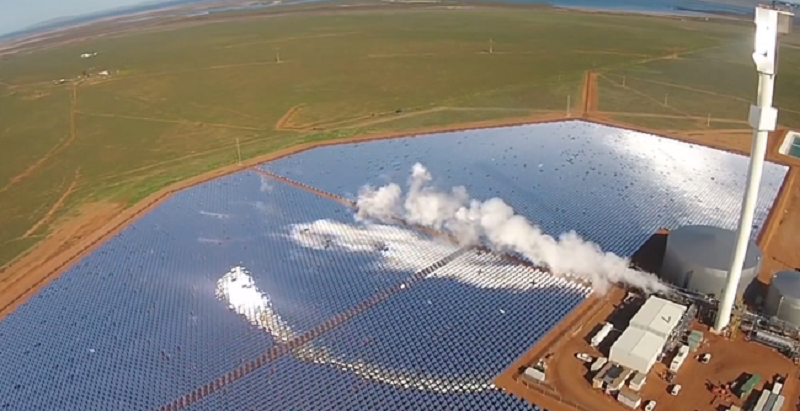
x=763, y=118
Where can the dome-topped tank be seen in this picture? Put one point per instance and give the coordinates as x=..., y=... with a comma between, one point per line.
x=698, y=257
x=783, y=298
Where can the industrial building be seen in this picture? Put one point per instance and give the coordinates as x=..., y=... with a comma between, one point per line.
x=698, y=257
x=641, y=344
x=658, y=316
x=637, y=349
x=783, y=298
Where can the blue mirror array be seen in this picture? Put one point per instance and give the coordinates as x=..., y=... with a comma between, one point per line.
x=136, y=323
x=614, y=187
x=139, y=322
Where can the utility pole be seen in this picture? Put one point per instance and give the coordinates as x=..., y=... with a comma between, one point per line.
x=278, y=55
x=623, y=81
x=708, y=120
x=491, y=46
x=666, y=99
x=238, y=151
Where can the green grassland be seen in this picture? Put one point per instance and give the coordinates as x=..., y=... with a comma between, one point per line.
x=178, y=99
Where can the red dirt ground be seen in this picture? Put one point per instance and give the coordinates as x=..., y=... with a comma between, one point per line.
x=569, y=389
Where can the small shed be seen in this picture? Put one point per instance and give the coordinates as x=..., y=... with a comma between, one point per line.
x=637, y=381
x=533, y=375
x=629, y=398
x=598, y=363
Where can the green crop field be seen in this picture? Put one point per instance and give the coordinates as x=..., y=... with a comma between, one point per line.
x=177, y=99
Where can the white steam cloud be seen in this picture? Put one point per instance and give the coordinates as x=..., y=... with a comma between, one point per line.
x=494, y=223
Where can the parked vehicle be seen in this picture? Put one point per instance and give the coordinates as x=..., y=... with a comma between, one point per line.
x=583, y=357
x=650, y=406
x=675, y=390
x=705, y=358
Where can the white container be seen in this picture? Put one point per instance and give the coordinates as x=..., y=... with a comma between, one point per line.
x=598, y=364
x=601, y=335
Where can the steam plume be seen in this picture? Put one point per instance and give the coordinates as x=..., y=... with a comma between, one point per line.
x=494, y=223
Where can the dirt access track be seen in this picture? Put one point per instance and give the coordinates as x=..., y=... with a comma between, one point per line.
x=76, y=237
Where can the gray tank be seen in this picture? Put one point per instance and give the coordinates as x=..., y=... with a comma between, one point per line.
x=698, y=257
x=783, y=298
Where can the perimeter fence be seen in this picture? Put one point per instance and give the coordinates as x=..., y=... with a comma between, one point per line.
x=545, y=390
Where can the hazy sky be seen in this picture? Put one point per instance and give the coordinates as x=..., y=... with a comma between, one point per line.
x=18, y=14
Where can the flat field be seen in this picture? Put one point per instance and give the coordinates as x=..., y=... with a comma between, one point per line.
x=185, y=98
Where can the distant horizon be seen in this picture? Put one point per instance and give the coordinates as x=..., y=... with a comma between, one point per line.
x=20, y=19
x=28, y=15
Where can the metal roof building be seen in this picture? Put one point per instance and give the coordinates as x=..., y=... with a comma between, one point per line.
x=658, y=316
x=637, y=349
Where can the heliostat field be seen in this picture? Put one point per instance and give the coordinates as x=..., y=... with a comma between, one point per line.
x=223, y=272
x=614, y=187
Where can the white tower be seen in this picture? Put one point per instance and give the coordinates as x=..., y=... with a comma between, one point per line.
x=763, y=118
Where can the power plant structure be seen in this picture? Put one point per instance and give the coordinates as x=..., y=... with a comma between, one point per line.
x=642, y=343
x=697, y=259
x=783, y=297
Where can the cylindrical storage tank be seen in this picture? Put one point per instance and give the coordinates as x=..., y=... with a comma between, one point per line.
x=783, y=297
x=698, y=257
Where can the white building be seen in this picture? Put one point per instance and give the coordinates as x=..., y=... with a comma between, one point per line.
x=658, y=316
x=637, y=349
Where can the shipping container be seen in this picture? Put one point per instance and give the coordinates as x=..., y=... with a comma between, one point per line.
x=770, y=401
x=749, y=385
x=597, y=384
x=761, y=403
x=695, y=336
x=598, y=363
x=778, y=403
x=533, y=375
x=602, y=334
x=637, y=381
x=629, y=398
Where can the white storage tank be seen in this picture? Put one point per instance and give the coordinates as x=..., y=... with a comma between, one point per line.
x=783, y=298
x=698, y=257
